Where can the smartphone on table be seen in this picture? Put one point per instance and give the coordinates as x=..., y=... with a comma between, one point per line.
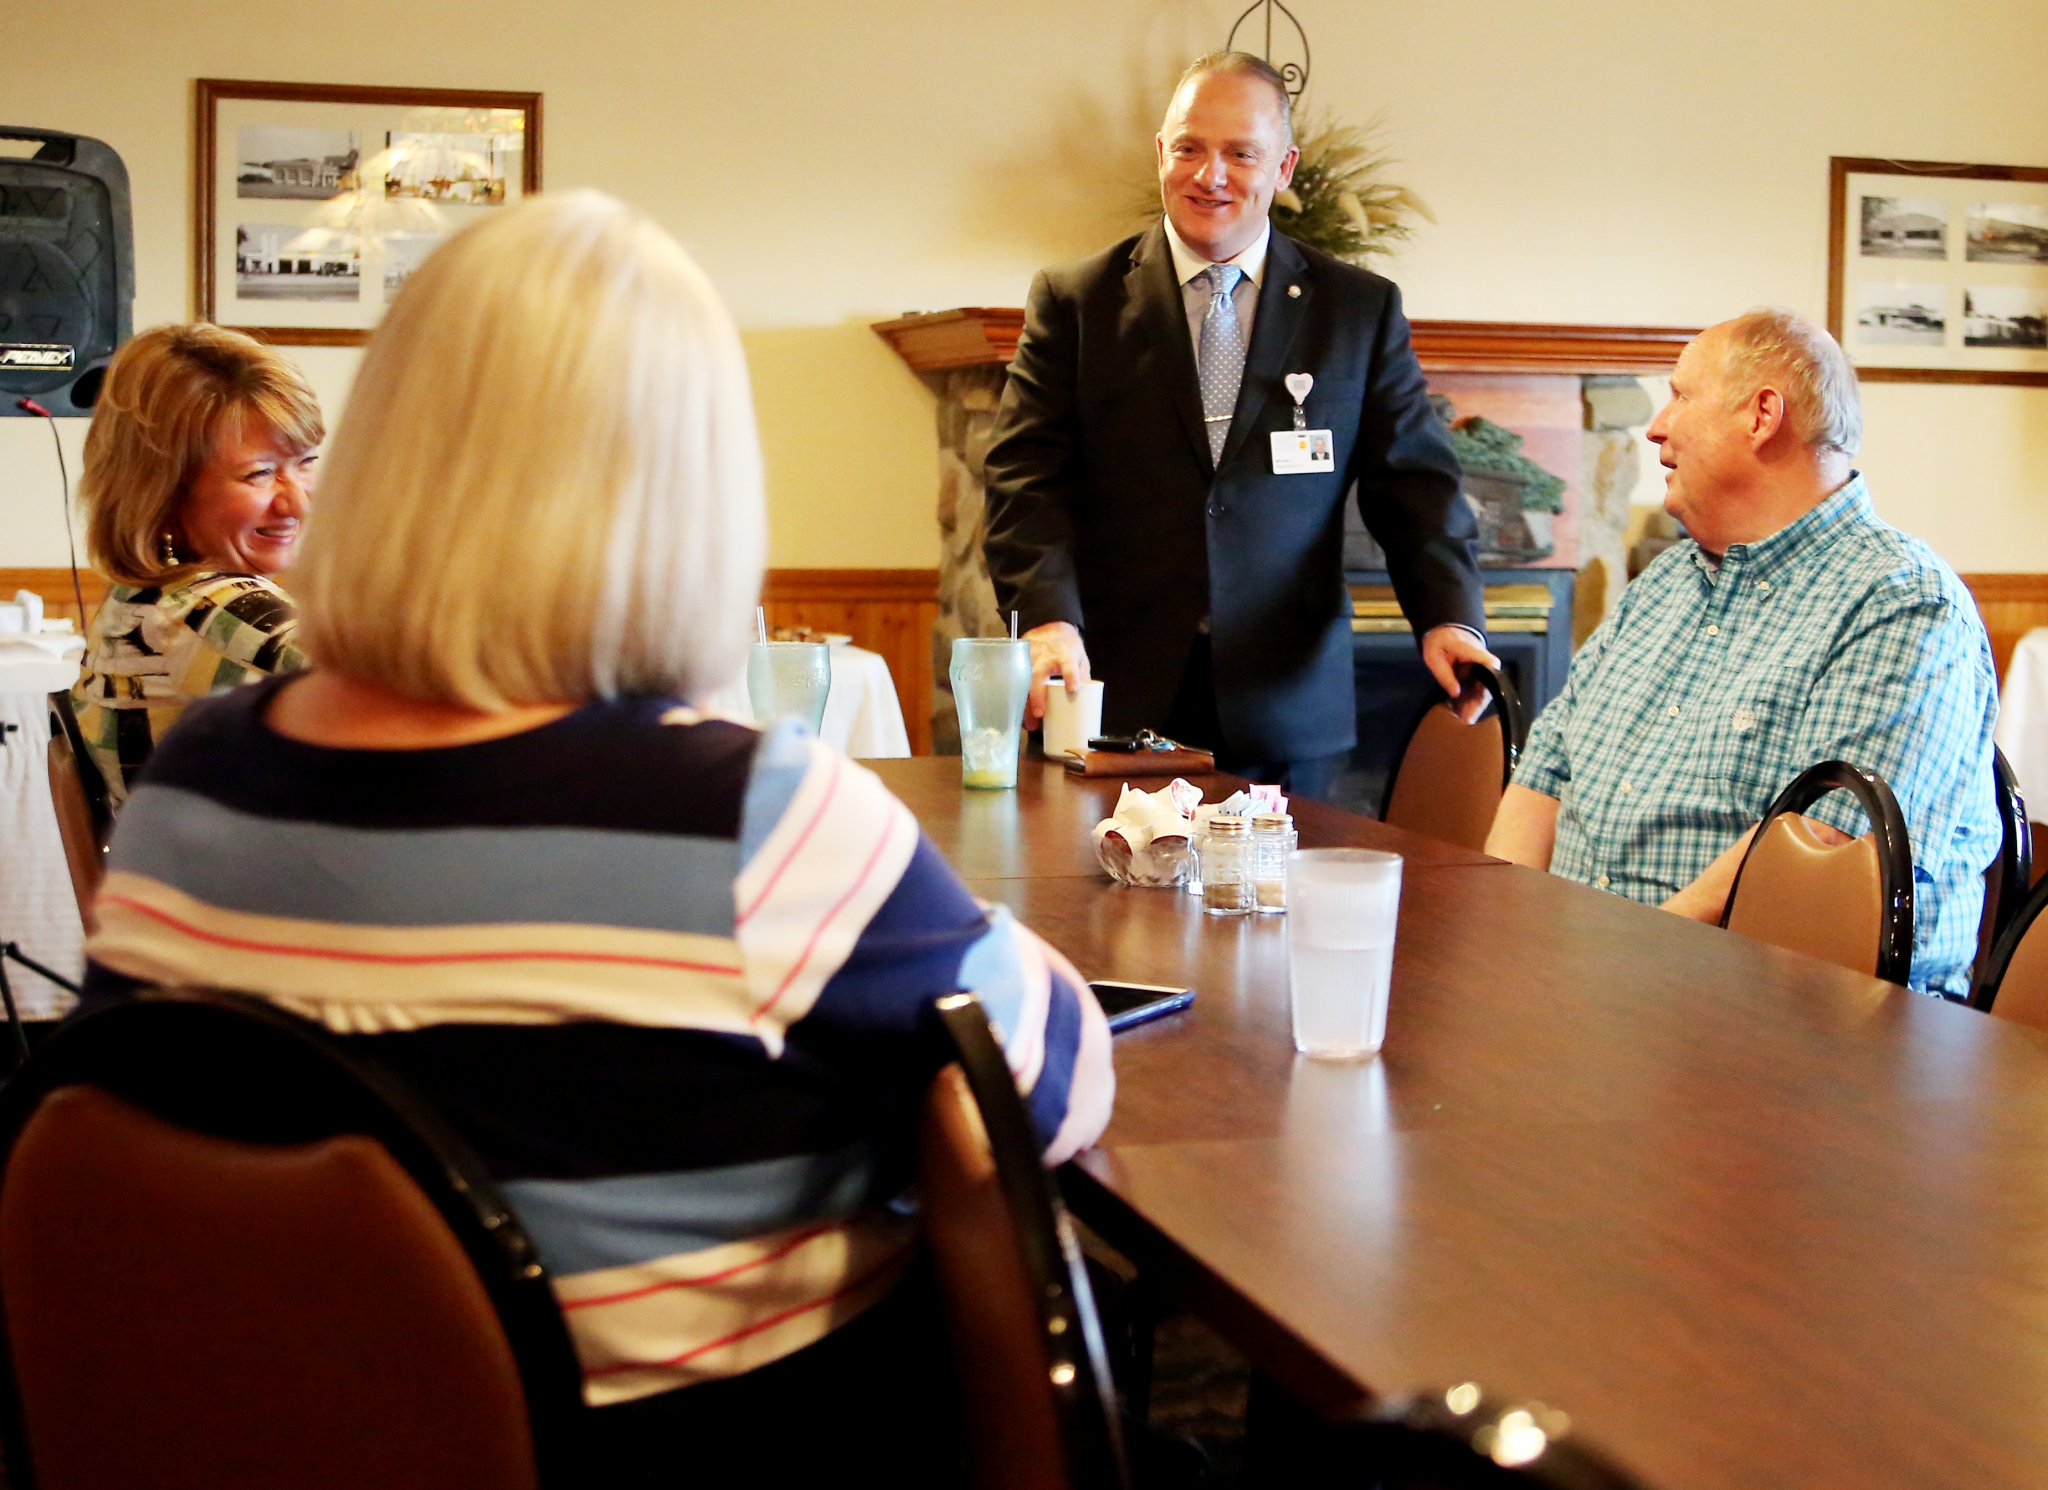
x=1131, y=1004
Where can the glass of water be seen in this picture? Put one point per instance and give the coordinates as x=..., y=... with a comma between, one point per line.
x=1342, y=904
x=991, y=678
x=789, y=678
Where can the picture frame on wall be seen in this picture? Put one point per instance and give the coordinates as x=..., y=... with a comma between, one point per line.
x=314, y=202
x=1938, y=273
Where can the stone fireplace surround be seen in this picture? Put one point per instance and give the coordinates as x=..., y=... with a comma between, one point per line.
x=963, y=355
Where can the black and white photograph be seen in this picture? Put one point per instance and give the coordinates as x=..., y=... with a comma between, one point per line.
x=290, y=162
x=2007, y=233
x=1904, y=228
x=365, y=180
x=284, y=261
x=2014, y=317
x=403, y=253
x=1901, y=315
x=468, y=170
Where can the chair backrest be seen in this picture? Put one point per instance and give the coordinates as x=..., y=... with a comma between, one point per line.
x=1451, y=774
x=85, y=818
x=2008, y=877
x=1461, y=1439
x=232, y=1255
x=2014, y=983
x=1026, y=1340
x=1850, y=904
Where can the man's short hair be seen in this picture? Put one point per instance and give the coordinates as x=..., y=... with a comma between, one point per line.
x=547, y=486
x=1806, y=365
x=1243, y=63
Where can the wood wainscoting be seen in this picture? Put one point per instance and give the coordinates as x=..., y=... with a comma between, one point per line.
x=2011, y=605
x=889, y=611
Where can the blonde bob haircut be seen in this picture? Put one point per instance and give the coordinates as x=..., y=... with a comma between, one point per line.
x=171, y=395
x=547, y=486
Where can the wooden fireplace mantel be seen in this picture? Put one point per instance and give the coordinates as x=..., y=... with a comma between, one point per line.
x=977, y=335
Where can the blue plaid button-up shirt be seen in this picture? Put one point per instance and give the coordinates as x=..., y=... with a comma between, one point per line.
x=1707, y=691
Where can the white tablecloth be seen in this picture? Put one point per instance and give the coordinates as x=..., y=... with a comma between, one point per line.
x=863, y=716
x=37, y=907
x=2023, y=720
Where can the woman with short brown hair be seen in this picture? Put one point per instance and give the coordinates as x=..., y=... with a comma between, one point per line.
x=198, y=470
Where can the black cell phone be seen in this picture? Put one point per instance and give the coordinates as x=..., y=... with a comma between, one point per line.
x=1131, y=1004
x=1124, y=743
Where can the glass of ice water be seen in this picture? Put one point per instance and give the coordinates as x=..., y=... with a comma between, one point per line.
x=1342, y=904
x=789, y=678
x=991, y=678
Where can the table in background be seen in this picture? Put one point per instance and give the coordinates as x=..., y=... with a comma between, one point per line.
x=2023, y=719
x=1751, y=1219
x=863, y=716
x=37, y=906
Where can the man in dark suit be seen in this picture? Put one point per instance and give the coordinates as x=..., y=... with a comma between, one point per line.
x=1144, y=519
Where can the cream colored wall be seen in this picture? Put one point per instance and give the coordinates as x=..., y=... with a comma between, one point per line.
x=837, y=164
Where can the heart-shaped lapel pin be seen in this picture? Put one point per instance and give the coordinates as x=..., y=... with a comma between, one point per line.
x=1299, y=384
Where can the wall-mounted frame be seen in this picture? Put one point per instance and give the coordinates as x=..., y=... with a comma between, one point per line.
x=312, y=202
x=1938, y=273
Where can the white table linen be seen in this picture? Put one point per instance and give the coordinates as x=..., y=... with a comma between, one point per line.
x=2022, y=731
x=37, y=906
x=863, y=716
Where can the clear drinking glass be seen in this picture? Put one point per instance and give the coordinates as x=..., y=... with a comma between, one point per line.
x=789, y=678
x=991, y=678
x=1342, y=904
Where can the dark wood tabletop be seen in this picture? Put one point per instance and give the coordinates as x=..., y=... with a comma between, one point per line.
x=1751, y=1219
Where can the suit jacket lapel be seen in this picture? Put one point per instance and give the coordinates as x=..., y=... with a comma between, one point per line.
x=1280, y=317
x=1156, y=296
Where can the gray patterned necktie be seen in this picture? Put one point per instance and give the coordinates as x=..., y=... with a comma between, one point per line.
x=1220, y=359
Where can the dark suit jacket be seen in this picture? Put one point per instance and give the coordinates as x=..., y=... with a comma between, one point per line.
x=1104, y=508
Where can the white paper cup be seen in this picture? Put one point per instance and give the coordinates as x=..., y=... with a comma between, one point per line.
x=1071, y=721
x=1342, y=905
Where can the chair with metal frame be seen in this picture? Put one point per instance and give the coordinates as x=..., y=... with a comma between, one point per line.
x=2014, y=983
x=1850, y=904
x=2009, y=876
x=1028, y=1347
x=1450, y=777
x=1461, y=1439
x=231, y=1253
x=85, y=814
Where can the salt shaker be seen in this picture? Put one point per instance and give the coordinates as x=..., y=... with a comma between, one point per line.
x=1227, y=867
x=1273, y=839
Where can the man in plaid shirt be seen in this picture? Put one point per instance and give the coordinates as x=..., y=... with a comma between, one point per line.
x=1794, y=627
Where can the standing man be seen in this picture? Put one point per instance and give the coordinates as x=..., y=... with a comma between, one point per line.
x=1152, y=516
x=1790, y=628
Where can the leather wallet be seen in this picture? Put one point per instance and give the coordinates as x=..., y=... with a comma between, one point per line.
x=1142, y=763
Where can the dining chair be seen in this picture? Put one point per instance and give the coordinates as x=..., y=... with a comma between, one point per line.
x=1034, y=1383
x=85, y=815
x=1850, y=904
x=2014, y=983
x=2009, y=876
x=1462, y=1439
x=1450, y=776
x=231, y=1254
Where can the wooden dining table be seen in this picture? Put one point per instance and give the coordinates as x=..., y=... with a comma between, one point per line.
x=1750, y=1219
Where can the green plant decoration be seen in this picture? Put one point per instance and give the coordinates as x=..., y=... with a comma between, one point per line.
x=1482, y=445
x=1340, y=201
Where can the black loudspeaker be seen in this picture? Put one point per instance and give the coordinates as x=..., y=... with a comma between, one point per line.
x=67, y=270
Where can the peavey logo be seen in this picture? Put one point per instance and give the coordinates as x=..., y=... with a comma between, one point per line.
x=35, y=354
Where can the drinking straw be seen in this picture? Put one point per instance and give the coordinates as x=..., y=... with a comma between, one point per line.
x=761, y=623
x=1013, y=625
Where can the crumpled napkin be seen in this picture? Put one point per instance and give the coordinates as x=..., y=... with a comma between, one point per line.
x=1145, y=841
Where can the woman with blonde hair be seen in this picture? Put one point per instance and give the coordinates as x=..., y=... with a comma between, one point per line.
x=198, y=470
x=673, y=978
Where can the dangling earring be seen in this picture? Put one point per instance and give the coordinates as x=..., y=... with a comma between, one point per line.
x=170, y=550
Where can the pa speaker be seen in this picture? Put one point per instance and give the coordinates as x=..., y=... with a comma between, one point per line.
x=67, y=270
